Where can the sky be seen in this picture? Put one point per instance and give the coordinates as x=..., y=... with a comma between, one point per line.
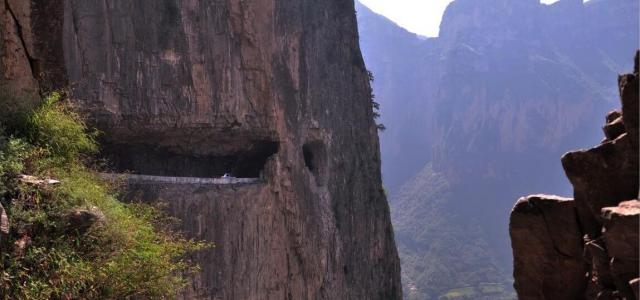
x=418, y=16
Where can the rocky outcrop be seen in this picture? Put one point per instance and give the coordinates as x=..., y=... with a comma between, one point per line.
x=586, y=247
x=4, y=223
x=261, y=89
x=547, y=248
x=80, y=220
x=620, y=236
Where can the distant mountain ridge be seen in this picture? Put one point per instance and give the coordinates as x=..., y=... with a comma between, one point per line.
x=479, y=116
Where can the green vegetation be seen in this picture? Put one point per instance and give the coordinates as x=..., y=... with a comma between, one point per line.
x=495, y=291
x=489, y=288
x=75, y=240
x=374, y=104
x=461, y=293
x=444, y=256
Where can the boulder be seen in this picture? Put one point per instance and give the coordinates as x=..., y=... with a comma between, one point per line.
x=621, y=229
x=80, y=220
x=4, y=223
x=621, y=237
x=33, y=180
x=614, y=129
x=613, y=115
x=547, y=248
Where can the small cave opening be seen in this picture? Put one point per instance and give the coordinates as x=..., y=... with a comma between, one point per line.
x=314, y=154
x=148, y=159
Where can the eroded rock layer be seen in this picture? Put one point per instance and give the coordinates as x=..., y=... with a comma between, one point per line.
x=586, y=247
x=268, y=89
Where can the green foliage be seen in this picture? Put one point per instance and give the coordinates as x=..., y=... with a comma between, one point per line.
x=494, y=291
x=460, y=293
x=55, y=127
x=128, y=251
x=13, y=155
x=375, y=105
x=444, y=256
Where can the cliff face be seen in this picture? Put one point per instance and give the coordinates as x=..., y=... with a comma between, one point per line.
x=265, y=89
x=586, y=247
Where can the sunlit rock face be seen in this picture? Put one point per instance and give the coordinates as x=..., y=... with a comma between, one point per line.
x=547, y=248
x=259, y=89
x=586, y=247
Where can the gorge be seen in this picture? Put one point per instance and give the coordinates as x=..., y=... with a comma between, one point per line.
x=478, y=117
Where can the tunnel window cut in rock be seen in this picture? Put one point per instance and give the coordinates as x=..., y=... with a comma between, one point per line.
x=314, y=154
x=148, y=159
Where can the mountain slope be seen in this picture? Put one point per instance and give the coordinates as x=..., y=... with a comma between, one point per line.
x=478, y=116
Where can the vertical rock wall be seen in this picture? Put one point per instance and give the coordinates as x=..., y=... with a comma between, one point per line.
x=14, y=56
x=31, y=50
x=586, y=247
x=212, y=79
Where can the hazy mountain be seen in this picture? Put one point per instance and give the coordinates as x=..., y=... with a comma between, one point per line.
x=479, y=116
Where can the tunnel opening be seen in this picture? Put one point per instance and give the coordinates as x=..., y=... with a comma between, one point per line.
x=148, y=159
x=314, y=155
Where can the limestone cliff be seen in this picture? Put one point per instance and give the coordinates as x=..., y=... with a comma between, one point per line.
x=263, y=89
x=586, y=247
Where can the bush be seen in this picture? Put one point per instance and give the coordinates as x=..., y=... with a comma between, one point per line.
x=123, y=253
x=55, y=127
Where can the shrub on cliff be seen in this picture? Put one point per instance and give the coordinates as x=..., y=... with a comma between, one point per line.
x=74, y=239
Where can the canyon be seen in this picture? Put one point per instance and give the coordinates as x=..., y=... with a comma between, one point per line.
x=478, y=117
x=275, y=94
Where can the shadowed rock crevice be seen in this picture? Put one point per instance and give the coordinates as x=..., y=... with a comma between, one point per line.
x=315, y=159
x=148, y=159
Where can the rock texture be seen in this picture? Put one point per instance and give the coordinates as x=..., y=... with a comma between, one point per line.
x=14, y=55
x=31, y=54
x=586, y=247
x=544, y=229
x=4, y=223
x=80, y=220
x=176, y=84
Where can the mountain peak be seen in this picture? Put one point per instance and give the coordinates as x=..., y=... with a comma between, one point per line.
x=486, y=16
